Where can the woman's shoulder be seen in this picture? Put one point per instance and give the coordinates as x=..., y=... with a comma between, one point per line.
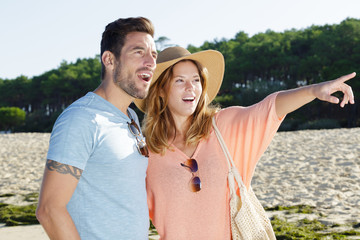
x=228, y=112
x=236, y=110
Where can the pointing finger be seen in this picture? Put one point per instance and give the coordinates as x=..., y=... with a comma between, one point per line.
x=347, y=77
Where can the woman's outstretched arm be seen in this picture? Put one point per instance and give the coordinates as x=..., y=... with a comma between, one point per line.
x=290, y=100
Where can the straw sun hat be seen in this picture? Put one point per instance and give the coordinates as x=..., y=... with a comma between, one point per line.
x=210, y=59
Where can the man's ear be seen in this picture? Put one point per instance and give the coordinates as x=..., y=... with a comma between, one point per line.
x=108, y=59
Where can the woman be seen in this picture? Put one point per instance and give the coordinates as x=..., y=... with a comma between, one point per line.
x=188, y=195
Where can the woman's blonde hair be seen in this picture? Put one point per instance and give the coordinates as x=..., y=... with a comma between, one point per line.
x=158, y=123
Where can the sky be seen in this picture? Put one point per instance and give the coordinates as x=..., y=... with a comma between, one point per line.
x=37, y=35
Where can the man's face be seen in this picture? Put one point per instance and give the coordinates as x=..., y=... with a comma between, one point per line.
x=134, y=72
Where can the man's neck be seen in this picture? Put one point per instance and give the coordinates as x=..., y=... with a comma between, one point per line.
x=114, y=95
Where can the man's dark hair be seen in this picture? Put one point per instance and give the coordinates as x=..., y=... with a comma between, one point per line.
x=113, y=38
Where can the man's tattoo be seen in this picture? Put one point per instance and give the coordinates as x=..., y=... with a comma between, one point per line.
x=63, y=168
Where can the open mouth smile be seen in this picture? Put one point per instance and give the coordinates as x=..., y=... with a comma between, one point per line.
x=145, y=76
x=188, y=99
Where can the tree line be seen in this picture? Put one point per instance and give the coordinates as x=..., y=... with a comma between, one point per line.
x=255, y=67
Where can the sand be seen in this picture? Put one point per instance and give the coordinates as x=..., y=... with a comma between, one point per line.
x=320, y=168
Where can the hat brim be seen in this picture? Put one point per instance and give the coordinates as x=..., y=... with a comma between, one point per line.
x=212, y=60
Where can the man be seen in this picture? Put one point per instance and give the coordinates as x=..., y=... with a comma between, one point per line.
x=94, y=179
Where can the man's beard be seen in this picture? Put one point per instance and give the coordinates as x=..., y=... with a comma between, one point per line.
x=124, y=81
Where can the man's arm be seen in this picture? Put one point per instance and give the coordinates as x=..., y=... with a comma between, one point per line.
x=59, y=183
x=290, y=100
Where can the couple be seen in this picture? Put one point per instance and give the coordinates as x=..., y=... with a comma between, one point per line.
x=98, y=182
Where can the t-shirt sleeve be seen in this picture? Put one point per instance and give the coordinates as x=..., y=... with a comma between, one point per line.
x=72, y=138
x=247, y=132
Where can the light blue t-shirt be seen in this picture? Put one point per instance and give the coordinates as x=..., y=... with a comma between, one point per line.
x=109, y=201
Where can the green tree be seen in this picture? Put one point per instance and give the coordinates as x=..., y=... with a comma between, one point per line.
x=254, y=67
x=14, y=92
x=11, y=117
x=162, y=43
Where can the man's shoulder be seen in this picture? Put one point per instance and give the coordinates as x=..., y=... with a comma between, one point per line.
x=80, y=111
x=84, y=101
x=84, y=105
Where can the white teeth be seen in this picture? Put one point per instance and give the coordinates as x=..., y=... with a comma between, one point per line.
x=189, y=99
x=145, y=75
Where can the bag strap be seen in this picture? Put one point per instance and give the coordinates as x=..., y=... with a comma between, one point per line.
x=223, y=145
x=232, y=168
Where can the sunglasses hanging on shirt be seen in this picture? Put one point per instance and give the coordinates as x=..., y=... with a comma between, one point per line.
x=140, y=140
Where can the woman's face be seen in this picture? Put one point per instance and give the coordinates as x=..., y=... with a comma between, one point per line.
x=184, y=89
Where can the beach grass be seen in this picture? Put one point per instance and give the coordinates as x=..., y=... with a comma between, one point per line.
x=13, y=215
x=308, y=229
x=7, y=195
x=305, y=209
x=305, y=228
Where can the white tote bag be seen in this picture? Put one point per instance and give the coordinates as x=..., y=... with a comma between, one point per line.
x=248, y=217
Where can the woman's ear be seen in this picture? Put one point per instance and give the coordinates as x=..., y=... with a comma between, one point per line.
x=162, y=94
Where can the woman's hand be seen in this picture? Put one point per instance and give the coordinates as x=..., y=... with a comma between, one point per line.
x=324, y=90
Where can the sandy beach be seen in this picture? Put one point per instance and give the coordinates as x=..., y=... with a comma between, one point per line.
x=319, y=168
